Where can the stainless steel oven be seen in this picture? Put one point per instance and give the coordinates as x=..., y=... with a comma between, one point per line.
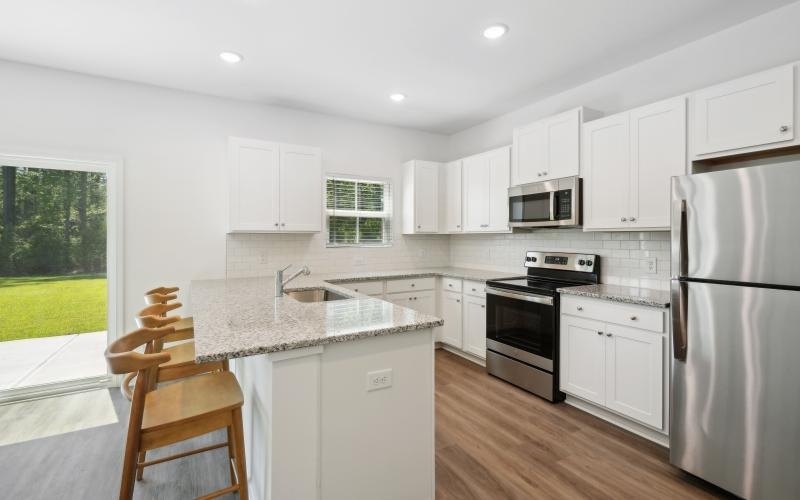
x=550, y=203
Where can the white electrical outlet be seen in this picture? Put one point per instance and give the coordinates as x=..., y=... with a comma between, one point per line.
x=379, y=379
x=650, y=265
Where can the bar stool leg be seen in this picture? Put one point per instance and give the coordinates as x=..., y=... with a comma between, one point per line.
x=241, y=466
x=231, y=454
x=139, y=468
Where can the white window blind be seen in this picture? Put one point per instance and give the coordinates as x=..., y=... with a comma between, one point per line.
x=359, y=212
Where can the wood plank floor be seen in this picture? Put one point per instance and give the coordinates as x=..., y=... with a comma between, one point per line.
x=495, y=441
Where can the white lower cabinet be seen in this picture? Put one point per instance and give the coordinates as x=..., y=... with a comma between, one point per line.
x=423, y=301
x=451, y=311
x=617, y=367
x=474, y=328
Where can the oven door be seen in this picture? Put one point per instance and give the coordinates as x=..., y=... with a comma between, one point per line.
x=521, y=326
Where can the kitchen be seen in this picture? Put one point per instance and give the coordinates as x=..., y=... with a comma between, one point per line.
x=522, y=291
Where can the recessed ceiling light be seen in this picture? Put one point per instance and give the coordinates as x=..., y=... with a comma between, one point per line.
x=230, y=57
x=495, y=31
x=397, y=97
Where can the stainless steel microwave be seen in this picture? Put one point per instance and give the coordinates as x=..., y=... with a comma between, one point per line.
x=553, y=203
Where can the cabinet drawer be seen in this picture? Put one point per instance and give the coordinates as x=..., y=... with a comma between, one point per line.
x=476, y=288
x=451, y=285
x=410, y=285
x=645, y=318
x=365, y=287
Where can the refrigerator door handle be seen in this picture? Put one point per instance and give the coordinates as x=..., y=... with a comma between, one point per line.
x=678, y=244
x=678, y=306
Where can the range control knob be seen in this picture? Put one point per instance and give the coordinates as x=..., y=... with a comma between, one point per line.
x=529, y=259
x=589, y=262
x=581, y=262
x=533, y=259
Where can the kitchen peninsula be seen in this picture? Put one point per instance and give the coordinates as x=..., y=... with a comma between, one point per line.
x=338, y=387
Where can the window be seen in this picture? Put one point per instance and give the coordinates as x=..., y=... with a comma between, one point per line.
x=359, y=212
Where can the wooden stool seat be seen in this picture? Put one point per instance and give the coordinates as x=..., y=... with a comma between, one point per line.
x=178, y=403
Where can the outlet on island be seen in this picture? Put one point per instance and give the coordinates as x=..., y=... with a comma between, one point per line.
x=380, y=379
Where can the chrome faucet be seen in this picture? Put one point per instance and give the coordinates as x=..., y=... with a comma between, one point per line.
x=280, y=283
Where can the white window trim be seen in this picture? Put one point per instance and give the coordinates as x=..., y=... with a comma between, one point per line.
x=112, y=167
x=387, y=213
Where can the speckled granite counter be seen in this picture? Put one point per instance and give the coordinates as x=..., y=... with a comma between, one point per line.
x=242, y=317
x=626, y=294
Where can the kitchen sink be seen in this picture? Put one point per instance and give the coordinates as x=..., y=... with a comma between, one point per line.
x=315, y=295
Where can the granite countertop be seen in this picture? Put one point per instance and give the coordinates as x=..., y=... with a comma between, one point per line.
x=616, y=293
x=242, y=317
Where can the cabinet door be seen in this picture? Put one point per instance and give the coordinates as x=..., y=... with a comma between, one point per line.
x=476, y=193
x=301, y=188
x=453, y=197
x=750, y=111
x=451, y=312
x=499, y=169
x=583, y=358
x=424, y=302
x=606, y=172
x=563, y=145
x=474, y=326
x=634, y=374
x=658, y=152
x=530, y=153
x=426, y=196
x=253, y=185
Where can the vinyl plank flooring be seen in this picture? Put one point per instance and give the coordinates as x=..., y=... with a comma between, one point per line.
x=493, y=441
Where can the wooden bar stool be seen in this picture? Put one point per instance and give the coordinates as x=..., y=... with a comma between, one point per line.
x=176, y=412
x=163, y=295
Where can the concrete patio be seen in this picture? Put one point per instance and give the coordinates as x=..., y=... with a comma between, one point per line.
x=32, y=362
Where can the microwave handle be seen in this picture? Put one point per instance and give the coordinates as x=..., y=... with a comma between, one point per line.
x=552, y=205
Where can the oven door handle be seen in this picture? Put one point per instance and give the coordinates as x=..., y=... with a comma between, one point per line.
x=528, y=297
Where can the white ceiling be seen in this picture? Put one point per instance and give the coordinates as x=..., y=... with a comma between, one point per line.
x=345, y=57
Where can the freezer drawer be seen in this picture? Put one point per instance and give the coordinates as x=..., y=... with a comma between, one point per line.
x=735, y=409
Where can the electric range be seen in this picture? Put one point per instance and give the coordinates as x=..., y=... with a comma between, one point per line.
x=522, y=319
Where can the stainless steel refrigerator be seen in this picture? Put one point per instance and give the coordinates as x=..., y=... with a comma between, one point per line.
x=735, y=393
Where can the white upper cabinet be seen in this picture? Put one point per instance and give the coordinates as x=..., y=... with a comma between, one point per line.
x=755, y=112
x=606, y=172
x=485, y=179
x=420, y=197
x=628, y=160
x=549, y=148
x=273, y=187
x=658, y=152
x=452, y=197
x=301, y=185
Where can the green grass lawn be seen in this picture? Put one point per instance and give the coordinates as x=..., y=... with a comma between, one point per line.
x=46, y=306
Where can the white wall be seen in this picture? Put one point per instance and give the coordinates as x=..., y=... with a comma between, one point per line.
x=173, y=145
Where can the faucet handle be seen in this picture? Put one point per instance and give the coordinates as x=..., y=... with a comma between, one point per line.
x=306, y=270
x=285, y=268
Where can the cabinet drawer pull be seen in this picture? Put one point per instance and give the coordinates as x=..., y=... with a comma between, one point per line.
x=483, y=306
x=633, y=219
x=458, y=300
x=580, y=308
x=450, y=285
x=784, y=128
x=544, y=173
x=599, y=333
x=623, y=219
x=276, y=224
x=634, y=318
x=608, y=334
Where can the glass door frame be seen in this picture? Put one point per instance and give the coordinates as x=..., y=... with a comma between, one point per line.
x=112, y=167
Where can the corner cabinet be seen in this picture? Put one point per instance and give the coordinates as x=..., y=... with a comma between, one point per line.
x=748, y=114
x=420, y=197
x=549, y=148
x=628, y=161
x=485, y=181
x=613, y=365
x=273, y=187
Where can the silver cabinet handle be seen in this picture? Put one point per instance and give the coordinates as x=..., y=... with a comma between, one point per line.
x=409, y=298
x=623, y=219
x=599, y=333
x=483, y=306
x=544, y=173
x=419, y=227
x=458, y=300
x=633, y=219
x=580, y=308
x=474, y=290
x=634, y=318
x=608, y=334
x=276, y=224
x=784, y=128
x=283, y=224
x=450, y=285
x=538, y=174
x=355, y=289
x=458, y=226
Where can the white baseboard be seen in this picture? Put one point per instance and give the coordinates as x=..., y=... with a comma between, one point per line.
x=630, y=426
x=459, y=352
